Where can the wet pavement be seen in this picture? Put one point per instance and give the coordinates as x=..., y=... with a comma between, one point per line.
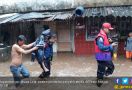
x=70, y=65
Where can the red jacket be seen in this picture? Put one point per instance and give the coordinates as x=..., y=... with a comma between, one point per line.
x=99, y=54
x=106, y=42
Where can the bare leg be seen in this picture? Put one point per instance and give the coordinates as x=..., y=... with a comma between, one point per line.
x=45, y=69
x=42, y=65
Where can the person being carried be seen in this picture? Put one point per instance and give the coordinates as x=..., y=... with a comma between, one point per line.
x=48, y=53
x=16, y=66
x=39, y=54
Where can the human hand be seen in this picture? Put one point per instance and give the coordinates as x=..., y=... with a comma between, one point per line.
x=114, y=44
x=110, y=40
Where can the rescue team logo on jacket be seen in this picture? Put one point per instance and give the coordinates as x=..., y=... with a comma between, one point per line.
x=99, y=54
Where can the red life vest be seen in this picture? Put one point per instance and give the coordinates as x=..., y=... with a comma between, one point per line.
x=106, y=42
x=99, y=54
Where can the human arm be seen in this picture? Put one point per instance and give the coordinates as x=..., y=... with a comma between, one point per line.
x=21, y=50
x=100, y=43
x=28, y=46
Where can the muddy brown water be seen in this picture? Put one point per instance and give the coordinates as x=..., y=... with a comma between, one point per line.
x=70, y=65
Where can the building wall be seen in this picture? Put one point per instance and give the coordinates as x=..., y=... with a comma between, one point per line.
x=15, y=29
x=11, y=36
x=64, y=40
x=84, y=46
x=58, y=4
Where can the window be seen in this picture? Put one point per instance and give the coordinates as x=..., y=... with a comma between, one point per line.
x=92, y=33
x=92, y=28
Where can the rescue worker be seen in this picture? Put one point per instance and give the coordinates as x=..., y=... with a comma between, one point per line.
x=41, y=42
x=103, y=53
x=48, y=53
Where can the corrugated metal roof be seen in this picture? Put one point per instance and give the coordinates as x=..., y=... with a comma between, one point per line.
x=50, y=16
x=32, y=15
x=35, y=15
x=60, y=16
x=7, y=15
x=105, y=11
x=63, y=16
x=8, y=19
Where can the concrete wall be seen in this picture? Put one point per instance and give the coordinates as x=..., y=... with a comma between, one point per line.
x=58, y=4
x=103, y=2
x=64, y=36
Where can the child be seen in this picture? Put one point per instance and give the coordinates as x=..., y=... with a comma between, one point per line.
x=128, y=47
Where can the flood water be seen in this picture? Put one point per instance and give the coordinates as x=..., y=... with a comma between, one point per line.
x=70, y=65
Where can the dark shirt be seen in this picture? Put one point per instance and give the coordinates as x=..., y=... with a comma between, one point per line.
x=48, y=51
